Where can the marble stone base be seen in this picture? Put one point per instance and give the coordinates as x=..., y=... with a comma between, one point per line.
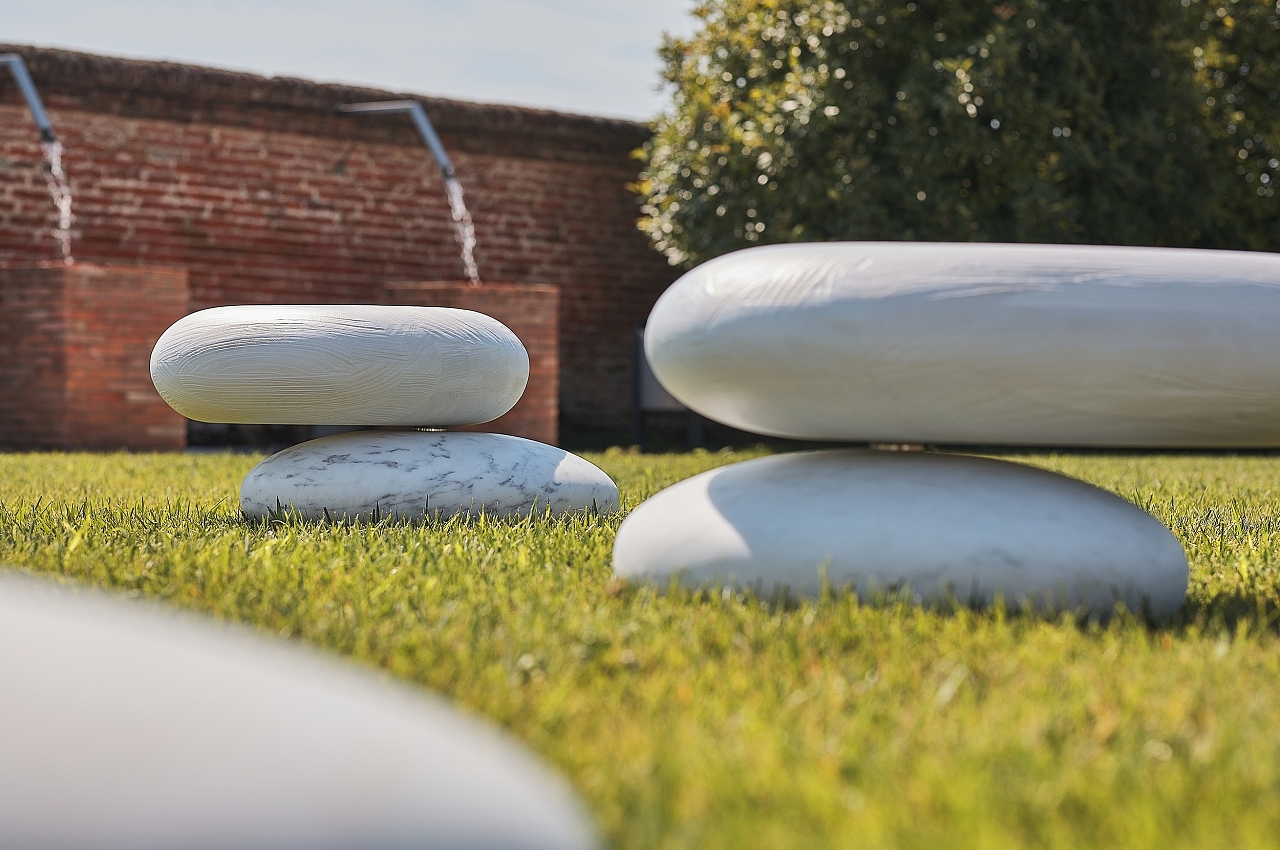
x=128, y=726
x=411, y=474
x=932, y=525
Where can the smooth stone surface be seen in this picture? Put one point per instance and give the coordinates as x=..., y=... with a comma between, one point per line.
x=128, y=726
x=409, y=473
x=979, y=343
x=349, y=364
x=876, y=521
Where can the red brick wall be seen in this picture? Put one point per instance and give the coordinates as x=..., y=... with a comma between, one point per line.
x=32, y=359
x=75, y=342
x=532, y=312
x=263, y=192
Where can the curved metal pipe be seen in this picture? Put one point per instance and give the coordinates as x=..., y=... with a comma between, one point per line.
x=28, y=88
x=419, y=116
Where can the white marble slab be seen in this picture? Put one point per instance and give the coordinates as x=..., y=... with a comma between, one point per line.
x=409, y=473
x=940, y=524
x=346, y=364
x=979, y=343
x=128, y=727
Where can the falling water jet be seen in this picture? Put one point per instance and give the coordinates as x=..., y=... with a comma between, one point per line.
x=56, y=179
x=54, y=174
x=464, y=228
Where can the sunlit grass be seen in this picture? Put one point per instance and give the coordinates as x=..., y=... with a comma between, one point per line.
x=716, y=720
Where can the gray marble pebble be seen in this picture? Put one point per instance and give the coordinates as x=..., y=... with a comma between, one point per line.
x=411, y=473
x=125, y=726
x=942, y=525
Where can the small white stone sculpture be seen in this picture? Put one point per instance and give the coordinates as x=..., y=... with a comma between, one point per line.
x=943, y=525
x=412, y=367
x=126, y=727
x=980, y=344
x=285, y=364
x=409, y=474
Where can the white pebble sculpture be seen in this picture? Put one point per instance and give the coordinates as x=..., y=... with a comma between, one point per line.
x=351, y=364
x=953, y=344
x=1038, y=345
x=128, y=727
x=409, y=475
x=419, y=369
x=941, y=527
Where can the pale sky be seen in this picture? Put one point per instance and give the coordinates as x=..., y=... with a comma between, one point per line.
x=596, y=57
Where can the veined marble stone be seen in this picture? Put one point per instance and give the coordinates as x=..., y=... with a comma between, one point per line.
x=128, y=727
x=350, y=364
x=409, y=473
x=979, y=343
x=942, y=525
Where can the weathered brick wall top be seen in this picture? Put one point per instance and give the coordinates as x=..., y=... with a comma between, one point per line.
x=263, y=192
x=193, y=95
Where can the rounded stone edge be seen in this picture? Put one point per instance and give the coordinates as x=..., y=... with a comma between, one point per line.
x=611, y=504
x=667, y=579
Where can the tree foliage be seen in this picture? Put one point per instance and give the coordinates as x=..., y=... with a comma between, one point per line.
x=1090, y=121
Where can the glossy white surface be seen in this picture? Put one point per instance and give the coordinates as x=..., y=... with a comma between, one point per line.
x=348, y=364
x=878, y=520
x=979, y=343
x=128, y=726
x=404, y=473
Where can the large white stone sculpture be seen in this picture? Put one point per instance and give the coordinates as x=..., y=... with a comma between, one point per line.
x=979, y=344
x=340, y=365
x=879, y=521
x=125, y=727
x=408, y=474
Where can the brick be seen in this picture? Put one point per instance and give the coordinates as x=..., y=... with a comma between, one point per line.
x=75, y=348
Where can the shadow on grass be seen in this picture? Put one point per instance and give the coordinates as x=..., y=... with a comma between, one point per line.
x=1229, y=614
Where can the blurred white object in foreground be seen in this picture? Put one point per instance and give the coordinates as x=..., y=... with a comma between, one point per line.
x=126, y=726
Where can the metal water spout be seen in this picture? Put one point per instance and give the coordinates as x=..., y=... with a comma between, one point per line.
x=55, y=176
x=464, y=228
x=20, y=75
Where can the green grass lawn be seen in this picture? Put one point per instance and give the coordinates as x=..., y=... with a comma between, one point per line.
x=718, y=721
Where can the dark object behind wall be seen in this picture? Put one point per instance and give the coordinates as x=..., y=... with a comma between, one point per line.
x=650, y=398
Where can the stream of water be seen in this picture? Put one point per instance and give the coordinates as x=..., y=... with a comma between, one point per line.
x=464, y=229
x=56, y=178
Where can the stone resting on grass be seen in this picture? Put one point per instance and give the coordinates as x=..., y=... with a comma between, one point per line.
x=127, y=727
x=406, y=367
x=979, y=344
x=410, y=474
x=943, y=525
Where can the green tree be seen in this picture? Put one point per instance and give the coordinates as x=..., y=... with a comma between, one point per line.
x=1237, y=76
x=1034, y=121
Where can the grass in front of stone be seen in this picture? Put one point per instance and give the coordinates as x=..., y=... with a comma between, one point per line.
x=716, y=720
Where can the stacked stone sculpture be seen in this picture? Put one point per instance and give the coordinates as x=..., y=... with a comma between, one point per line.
x=132, y=727
x=952, y=344
x=416, y=370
